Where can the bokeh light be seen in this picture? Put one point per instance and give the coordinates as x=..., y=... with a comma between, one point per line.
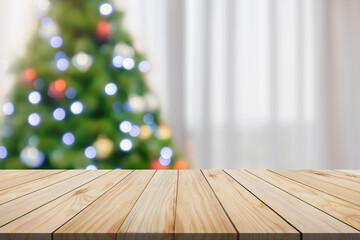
x=90, y=152
x=76, y=107
x=62, y=64
x=105, y=9
x=8, y=108
x=68, y=138
x=34, y=119
x=34, y=97
x=144, y=66
x=3, y=152
x=70, y=93
x=91, y=167
x=135, y=131
x=59, y=114
x=110, y=89
x=164, y=161
x=166, y=152
x=126, y=145
x=125, y=126
x=128, y=63
x=32, y=157
x=118, y=61
x=56, y=41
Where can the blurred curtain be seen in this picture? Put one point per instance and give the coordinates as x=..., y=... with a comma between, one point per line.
x=243, y=83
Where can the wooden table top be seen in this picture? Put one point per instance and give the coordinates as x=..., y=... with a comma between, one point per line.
x=184, y=204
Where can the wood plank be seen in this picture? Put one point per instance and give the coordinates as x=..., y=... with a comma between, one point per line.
x=11, y=210
x=103, y=218
x=199, y=214
x=330, y=188
x=155, y=207
x=26, y=188
x=351, y=171
x=347, y=212
x=332, y=179
x=313, y=223
x=343, y=175
x=40, y=223
x=251, y=217
x=26, y=178
x=9, y=174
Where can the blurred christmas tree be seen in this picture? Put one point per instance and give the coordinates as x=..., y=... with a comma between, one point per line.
x=81, y=100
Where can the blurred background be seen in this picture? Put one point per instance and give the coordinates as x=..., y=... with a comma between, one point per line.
x=241, y=83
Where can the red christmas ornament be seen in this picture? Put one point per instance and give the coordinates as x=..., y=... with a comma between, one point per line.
x=57, y=89
x=29, y=75
x=156, y=165
x=103, y=30
x=180, y=165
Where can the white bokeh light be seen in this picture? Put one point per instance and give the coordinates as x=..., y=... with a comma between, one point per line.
x=164, y=161
x=128, y=63
x=166, y=152
x=126, y=145
x=8, y=108
x=118, y=61
x=105, y=9
x=34, y=119
x=76, y=107
x=110, y=89
x=135, y=131
x=3, y=152
x=59, y=114
x=56, y=41
x=68, y=138
x=62, y=64
x=91, y=167
x=125, y=126
x=34, y=97
x=144, y=66
x=82, y=61
x=32, y=157
x=90, y=152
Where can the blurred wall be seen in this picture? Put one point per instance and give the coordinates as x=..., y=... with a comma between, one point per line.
x=242, y=83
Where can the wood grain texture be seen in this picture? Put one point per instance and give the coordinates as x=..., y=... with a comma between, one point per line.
x=26, y=188
x=11, y=210
x=26, y=178
x=156, y=206
x=347, y=212
x=251, y=217
x=313, y=223
x=179, y=205
x=332, y=179
x=40, y=223
x=327, y=187
x=199, y=214
x=102, y=219
x=351, y=171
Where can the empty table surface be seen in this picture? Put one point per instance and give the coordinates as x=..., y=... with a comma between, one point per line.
x=179, y=204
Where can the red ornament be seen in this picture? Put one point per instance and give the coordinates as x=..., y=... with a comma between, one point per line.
x=29, y=75
x=156, y=165
x=103, y=30
x=180, y=165
x=57, y=89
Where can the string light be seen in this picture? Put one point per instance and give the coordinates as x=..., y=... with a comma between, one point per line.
x=59, y=114
x=34, y=97
x=144, y=66
x=68, y=138
x=8, y=108
x=128, y=63
x=135, y=131
x=125, y=126
x=34, y=119
x=56, y=41
x=118, y=61
x=76, y=107
x=105, y=9
x=90, y=152
x=110, y=89
x=91, y=167
x=3, y=152
x=126, y=145
x=166, y=152
x=82, y=61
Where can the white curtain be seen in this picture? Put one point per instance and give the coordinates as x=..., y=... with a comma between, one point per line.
x=247, y=83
